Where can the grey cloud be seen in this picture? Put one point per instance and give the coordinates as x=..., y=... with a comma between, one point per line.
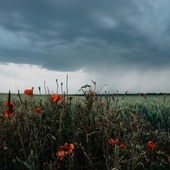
x=70, y=35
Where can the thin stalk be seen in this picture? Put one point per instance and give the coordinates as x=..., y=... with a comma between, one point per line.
x=67, y=88
x=57, y=86
x=60, y=125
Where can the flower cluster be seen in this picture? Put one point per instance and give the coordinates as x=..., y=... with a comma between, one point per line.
x=150, y=144
x=65, y=150
x=112, y=141
x=115, y=141
x=54, y=98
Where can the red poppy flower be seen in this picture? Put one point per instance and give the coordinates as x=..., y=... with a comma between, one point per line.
x=151, y=145
x=37, y=110
x=9, y=108
x=56, y=97
x=8, y=104
x=60, y=154
x=28, y=92
x=112, y=141
x=65, y=150
x=122, y=146
x=8, y=113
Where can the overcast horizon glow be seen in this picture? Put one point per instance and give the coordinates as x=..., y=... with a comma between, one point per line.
x=123, y=44
x=24, y=76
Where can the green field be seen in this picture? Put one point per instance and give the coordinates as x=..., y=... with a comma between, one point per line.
x=88, y=131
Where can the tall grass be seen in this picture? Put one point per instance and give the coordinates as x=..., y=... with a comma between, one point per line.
x=31, y=140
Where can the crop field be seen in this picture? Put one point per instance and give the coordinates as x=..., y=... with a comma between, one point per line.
x=87, y=132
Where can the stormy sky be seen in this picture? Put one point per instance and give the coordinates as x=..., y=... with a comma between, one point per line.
x=124, y=44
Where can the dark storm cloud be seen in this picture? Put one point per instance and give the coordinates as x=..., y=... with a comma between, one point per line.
x=70, y=35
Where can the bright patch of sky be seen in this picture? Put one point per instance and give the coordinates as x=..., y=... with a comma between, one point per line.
x=16, y=77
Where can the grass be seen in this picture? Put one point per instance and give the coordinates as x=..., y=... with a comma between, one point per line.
x=74, y=133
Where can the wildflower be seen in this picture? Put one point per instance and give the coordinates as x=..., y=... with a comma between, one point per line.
x=60, y=154
x=37, y=110
x=9, y=108
x=28, y=92
x=112, y=141
x=56, y=97
x=122, y=146
x=8, y=113
x=65, y=150
x=151, y=145
x=8, y=104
